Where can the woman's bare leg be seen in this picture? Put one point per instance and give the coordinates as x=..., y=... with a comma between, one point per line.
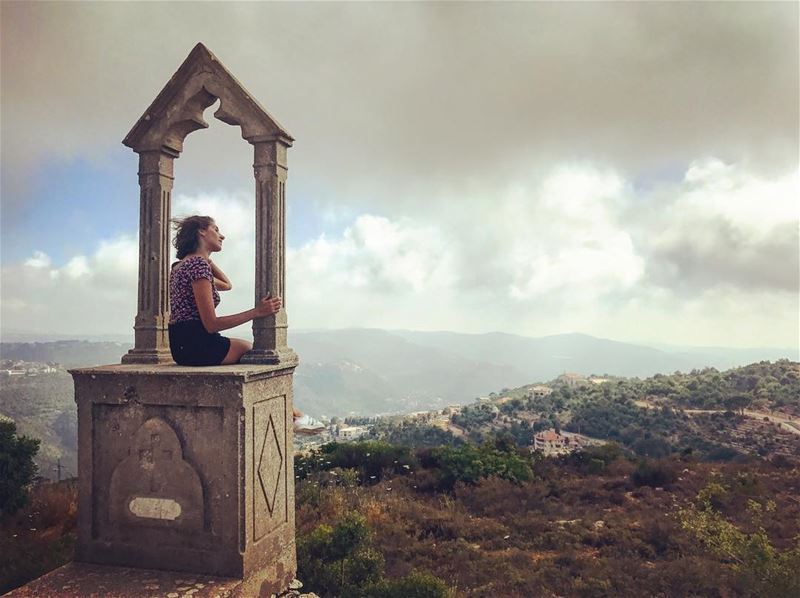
x=238, y=348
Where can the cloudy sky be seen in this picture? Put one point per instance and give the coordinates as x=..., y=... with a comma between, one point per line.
x=627, y=170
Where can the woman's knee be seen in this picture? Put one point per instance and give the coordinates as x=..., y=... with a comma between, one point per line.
x=238, y=348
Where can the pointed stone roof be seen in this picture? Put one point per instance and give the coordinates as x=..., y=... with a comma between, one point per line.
x=178, y=108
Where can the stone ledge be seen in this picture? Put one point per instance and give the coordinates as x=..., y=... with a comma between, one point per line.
x=86, y=580
x=247, y=372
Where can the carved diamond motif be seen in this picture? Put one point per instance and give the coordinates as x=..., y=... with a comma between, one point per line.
x=270, y=465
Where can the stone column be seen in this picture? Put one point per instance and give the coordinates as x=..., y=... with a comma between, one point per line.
x=152, y=316
x=269, y=333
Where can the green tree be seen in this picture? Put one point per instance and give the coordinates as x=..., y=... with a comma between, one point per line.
x=16, y=467
x=469, y=463
x=761, y=568
x=341, y=561
x=737, y=403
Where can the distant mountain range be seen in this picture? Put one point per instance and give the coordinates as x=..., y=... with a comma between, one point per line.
x=370, y=371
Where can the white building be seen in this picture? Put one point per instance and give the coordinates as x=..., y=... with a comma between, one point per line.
x=351, y=432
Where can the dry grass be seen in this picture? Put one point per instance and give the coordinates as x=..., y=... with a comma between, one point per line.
x=502, y=539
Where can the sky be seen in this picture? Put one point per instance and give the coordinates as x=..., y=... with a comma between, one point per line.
x=625, y=170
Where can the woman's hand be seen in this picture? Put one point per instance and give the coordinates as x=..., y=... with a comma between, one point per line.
x=268, y=306
x=221, y=282
x=205, y=306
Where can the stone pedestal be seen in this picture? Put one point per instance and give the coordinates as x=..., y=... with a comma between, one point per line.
x=188, y=469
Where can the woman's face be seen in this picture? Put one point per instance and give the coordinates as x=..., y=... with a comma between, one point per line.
x=213, y=237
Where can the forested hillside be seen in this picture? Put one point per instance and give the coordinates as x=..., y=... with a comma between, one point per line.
x=718, y=415
x=651, y=416
x=43, y=407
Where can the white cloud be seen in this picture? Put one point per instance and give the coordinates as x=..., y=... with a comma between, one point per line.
x=89, y=294
x=378, y=253
x=725, y=226
x=575, y=249
x=565, y=234
x=38, y=260
x=77, y=267
x=447, y=185
x=728, y=191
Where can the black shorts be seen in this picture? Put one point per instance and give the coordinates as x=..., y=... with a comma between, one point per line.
x=191, y=344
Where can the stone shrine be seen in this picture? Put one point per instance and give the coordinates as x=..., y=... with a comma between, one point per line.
x=191, y=468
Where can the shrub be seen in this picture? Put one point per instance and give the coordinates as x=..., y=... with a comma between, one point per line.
x=16, y=467
x=595, y=459
x=761, y=568
x=341, y=561
x=656, y=474
x=417, y=584
x=469, y=463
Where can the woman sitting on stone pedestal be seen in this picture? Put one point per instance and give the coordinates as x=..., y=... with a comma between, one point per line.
x=194, y=326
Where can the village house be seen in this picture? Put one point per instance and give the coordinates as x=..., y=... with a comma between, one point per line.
x=351, y=432
x=551, y=442
x=572, y=379
x=541, y=391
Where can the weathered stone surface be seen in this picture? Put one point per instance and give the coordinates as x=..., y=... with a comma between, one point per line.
x=188, y=469
x=85, y=580
x=151, y=340
x=158, y=138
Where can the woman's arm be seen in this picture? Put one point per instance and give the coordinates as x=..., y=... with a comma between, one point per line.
x=221, y=281
x=203, y=296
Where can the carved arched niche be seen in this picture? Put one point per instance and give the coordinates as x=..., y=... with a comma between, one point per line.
x=158, y=138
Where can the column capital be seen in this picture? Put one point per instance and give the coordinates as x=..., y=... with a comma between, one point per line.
x=157, y=162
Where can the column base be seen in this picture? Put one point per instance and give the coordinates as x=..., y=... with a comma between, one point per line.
x=147, y=356
x=283, y=356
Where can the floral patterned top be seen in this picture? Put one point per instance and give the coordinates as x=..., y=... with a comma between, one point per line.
x=182, y=305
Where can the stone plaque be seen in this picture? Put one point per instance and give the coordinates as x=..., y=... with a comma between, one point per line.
x=154, y=485
x=155, y=508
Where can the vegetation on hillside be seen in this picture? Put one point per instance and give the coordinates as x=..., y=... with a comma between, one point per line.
x=656, y=416
x=764, y=386
x=595, y=523
x=675, y=504
x=381, y=521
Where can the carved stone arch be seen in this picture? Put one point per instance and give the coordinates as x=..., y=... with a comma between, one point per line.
x=178, y=108
x=158, y=138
